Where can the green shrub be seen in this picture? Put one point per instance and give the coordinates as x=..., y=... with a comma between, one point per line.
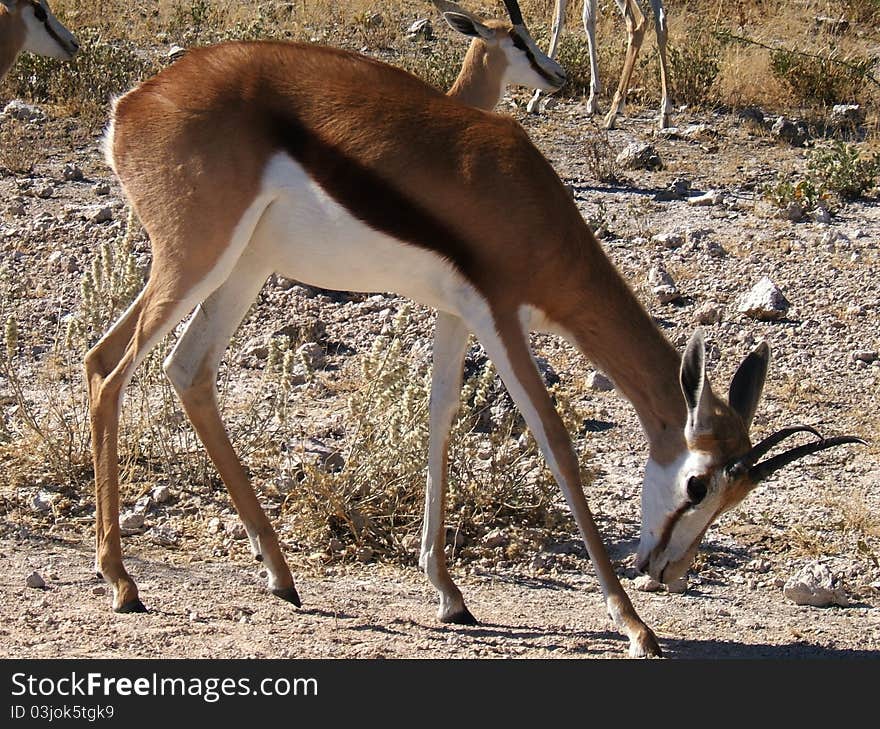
x=694, y=65
x=839, y=168
x=821, y=80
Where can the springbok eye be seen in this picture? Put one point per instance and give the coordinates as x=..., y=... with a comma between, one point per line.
x=39, y=12
x=696, y=489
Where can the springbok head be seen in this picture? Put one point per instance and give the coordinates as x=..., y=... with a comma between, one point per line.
x=719, y=466
x=526, y=64
x=43, y=33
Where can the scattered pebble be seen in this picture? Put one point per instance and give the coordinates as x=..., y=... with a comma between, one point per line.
x=131, y=522
x=71, y=172
x=598, y=382
x=35, y=580
x=639, y=156
x=764, y=302
x=646, y=583
x=815, y=585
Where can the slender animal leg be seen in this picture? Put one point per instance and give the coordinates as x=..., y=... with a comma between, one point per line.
x=590, y=28
x=507, y=345
x=109, y=366
x=192, y=368
x=662, y=35
x=635, y=32
x=450, y=345
x=556, y=32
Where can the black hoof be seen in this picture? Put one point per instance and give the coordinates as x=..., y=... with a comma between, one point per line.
x=99, y=576
x=258, y=557
x=462, y=617
x=132, y=606
x=288, y=593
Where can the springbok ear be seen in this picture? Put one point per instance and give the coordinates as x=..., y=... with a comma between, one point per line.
x=468, y=26
x=693, y=377
x=748, y=382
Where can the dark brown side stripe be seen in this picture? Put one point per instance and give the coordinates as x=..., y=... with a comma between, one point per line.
x=368, y=196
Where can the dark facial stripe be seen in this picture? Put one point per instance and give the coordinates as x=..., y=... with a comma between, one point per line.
x=519, y=43
x=368, y=196
x=45, y=21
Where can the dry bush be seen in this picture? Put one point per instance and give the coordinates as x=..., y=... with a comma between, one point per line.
x=496, y=479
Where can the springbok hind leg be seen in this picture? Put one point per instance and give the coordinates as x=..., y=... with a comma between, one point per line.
x=506, y=343
x=109, y=366
x=450, y=344
x=192, y=368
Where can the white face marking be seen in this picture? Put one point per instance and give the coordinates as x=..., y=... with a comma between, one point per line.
x=520, y=71
x=40, y=41
x=664, y=493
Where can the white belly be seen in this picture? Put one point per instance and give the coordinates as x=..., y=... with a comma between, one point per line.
x=310, y=237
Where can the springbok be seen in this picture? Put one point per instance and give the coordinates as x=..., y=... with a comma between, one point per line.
x=501, y=53
x=635, y=33
x=350, y=174
x=29, y=25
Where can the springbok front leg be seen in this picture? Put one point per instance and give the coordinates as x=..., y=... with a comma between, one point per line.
x=450, y=344
x=507, y=345
x=192, y=368
x=635, y=34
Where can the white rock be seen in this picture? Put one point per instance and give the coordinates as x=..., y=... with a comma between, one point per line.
x=131, y=521
x=599, y=382
x=421, y=28
x=495, y=538
x=161, y=494
x=708, y=314
x=815, y=585
x=639, y=156
x=669, y=240
x=713, y=197
x=17, y=109
x=662, y=285
x=646, y=583
x=42, y=501
x=98, y=214
x=235, y=529
x=165, y=534
x=764, y=302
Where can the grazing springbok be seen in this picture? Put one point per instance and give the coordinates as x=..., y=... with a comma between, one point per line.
x=350, y=174
x=635, y=33
x=501, y=54
x=29, y=25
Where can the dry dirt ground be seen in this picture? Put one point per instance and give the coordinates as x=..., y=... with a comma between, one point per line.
x=823, y=510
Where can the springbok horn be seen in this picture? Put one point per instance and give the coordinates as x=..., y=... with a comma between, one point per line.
x=514, y=12
x=771, y=465
x=749, y=459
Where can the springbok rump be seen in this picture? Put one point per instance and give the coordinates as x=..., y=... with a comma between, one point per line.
x=350, y=174
x=29, y=25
